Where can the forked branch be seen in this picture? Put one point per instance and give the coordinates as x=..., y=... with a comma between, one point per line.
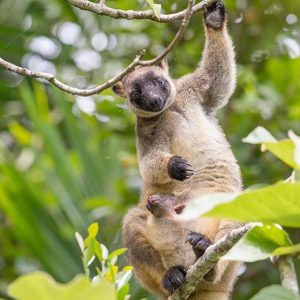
x=102, y=9
x=136, y=62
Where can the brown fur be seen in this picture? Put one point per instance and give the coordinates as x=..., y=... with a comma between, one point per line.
x=188, y=128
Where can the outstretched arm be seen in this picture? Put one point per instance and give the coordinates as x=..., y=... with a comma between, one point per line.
x=214, y=80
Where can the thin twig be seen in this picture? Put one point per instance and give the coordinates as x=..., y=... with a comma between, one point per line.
x=207, y=261
x=98, y=89
x=287, y=272
x=176, y=39
x=104, y=10
x=66, y=88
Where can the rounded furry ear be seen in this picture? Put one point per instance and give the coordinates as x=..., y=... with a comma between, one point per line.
x=164, y=64
x=118, y=89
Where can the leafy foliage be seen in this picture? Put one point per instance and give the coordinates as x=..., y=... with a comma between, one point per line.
x=39, y=285
x=108, y=284
x=275, y=292
x=155, y=7
x=67, y=162
x=278, y=203
x=262, y=242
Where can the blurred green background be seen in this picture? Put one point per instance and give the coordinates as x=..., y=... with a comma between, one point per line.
x=67, y=161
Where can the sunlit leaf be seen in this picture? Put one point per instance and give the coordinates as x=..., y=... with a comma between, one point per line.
x=22, y=135
x=80, y=241
x=286, y=150
x=104, y=251
x=155, y=7
x=117, y=252
x=278, y=203
x=123, y=278
x=93, y=229
x=259, y=243
x=127, y=268
x=40, y=285
x=110, y=275
x=122, y=292
x=295, y=249
x=275, y=292
x=296, y=140
x=259, y=135
x=200, y=206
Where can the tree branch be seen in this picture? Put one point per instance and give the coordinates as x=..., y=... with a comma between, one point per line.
x=136, y=62
x=206, y=262
x=287, y=273
x=102, y=9
x=66, y=88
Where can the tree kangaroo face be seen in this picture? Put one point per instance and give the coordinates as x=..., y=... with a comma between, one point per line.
x=149, y=90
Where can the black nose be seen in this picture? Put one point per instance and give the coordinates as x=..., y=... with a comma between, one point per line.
x=156, y=104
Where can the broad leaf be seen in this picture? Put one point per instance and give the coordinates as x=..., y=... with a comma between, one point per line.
x=286, y=150
x=259, y=135
x=295, y=249
x=155, y=7
x=123, y=278
x=117, y=252
x=40, y=285
x=279, y=203
x=275, y=292
x=92, y=230
x=296, y=140
x=80, y=241
x=259, y=243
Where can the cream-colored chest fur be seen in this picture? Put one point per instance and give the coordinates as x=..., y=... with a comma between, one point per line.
x=196, y=136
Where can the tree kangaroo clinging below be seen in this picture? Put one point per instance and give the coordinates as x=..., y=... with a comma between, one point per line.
x=182, y=154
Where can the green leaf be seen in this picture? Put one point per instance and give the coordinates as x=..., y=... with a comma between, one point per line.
x=287, y=250
x=259, y=135
x=80, y=241
x=123, y=292
x=22, y=135
x=296, y=140
x=39, y=285
x=117, y=252
x=297, y=175
x=275, y=292
x=155, y=7
x=278, y=203
x=259, y=244
x=104, y=251
x=122, y=279
x=89, y=253
x=93, y=230
x=286, y=150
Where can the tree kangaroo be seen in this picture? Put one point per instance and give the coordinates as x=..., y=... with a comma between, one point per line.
x=182, y=152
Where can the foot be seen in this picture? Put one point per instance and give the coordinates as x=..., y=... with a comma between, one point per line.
x=173, y=278
x=215, y=15
x=199, y=243
x=179, y=168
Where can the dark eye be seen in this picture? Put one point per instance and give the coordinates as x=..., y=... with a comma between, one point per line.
x=134, y=95
x=161, y=81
